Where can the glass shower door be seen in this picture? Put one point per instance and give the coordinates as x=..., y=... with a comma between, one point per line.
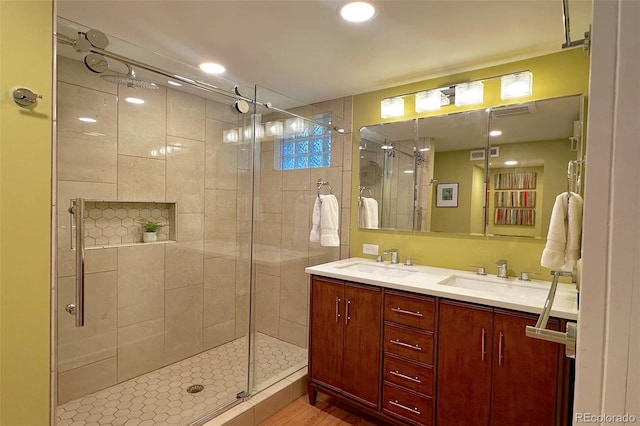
x=165, y=334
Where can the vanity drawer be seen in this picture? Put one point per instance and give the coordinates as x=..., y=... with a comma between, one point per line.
x=400, y=402
x=408, y=374
x=413, y=344
x=414, y=311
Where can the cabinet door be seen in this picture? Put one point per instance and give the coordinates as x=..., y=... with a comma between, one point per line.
x=326, y=333
x=361, y=352
x=525, y=373
x=464, y=364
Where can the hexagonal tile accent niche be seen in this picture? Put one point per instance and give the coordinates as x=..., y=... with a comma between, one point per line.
x=118, y=222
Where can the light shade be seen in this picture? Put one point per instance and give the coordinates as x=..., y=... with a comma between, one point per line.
x=294, y=127
x=392, y=107
x=516, y=85
x=273, y=128
x=230, y=136
x=469, y=93
x=430, y=100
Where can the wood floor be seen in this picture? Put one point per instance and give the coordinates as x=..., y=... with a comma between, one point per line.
x=326, y=412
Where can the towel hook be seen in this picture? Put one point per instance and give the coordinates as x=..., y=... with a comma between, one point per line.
x=320, y=183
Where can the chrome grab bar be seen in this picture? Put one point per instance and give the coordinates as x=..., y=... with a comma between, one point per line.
x=539, y=331
x=77, y=309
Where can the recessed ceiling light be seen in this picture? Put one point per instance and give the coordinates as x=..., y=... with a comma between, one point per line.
x=173, y=83
x=136, y=101
x=357, y=11
x=87, y=119
x=212, y=68
x=510, y=163
x=495, y=133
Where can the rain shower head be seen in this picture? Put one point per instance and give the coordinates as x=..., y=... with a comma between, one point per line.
x=98, y=64
x=129, y=80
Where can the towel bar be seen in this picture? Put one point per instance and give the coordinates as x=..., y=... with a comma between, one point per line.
x=540, y=332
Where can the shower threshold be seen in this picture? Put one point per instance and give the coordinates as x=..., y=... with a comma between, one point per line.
x=161, y=397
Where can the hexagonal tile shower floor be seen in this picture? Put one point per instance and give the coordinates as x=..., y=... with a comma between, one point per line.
x=161, y=397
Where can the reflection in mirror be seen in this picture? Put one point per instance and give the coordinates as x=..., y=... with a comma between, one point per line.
x=531, y=144
x=430, y=174
x=460, y=145
x=387, y=171
x=402, y=163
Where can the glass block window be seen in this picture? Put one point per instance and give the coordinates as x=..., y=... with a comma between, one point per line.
x=304, y=145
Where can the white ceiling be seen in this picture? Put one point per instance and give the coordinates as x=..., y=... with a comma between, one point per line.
x=302, y=49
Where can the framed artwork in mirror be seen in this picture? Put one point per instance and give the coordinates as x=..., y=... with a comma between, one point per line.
x=447, y=195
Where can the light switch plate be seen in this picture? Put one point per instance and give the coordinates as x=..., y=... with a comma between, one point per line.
x=370, y=249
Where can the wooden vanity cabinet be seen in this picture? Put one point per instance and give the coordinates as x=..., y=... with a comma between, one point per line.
x=344, y=340
x=411, y=359
x=409, y=342
x=490, y=373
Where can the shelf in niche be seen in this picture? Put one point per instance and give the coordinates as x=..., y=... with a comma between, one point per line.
x=110, y=246
x=114, y=223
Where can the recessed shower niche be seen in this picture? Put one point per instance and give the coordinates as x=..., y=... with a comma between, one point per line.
x=117, y=223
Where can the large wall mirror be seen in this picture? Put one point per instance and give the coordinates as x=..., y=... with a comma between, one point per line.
x=493, y=171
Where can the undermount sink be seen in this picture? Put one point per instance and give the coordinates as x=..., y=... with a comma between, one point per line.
x=385, y=269
x=498, y=286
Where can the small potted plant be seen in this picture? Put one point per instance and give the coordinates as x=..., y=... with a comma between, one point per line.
x=150, y=230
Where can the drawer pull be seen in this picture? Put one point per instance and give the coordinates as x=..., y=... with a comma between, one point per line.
x=404, y=407
x=403, y=311
x=406, y=345
x=338, y=300
x=404, y=376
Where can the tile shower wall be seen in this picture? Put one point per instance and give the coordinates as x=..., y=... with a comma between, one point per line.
x=148, y=306
x=284, y=206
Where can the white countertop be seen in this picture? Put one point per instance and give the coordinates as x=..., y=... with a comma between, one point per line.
x=507, y=293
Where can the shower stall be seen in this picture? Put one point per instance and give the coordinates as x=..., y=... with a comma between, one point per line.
x=178, y=330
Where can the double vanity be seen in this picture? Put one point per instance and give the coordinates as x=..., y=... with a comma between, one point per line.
x=422, y=345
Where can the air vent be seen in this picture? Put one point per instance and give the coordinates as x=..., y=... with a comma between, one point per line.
x=509, y=110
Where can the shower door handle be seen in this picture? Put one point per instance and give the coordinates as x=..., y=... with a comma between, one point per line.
x=77, y=210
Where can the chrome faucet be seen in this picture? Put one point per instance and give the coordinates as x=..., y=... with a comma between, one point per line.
x=502, y=268
x=394, y=255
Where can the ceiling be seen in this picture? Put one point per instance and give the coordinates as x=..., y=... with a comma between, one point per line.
x=302, y=49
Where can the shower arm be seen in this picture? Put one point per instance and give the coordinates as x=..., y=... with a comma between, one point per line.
x=63, y=39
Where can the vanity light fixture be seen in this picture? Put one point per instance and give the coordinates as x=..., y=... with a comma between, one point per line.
x=495, y=133
x=212, y=68
x=294, y=126
x=273, y=128
x=392, y=107
x=357, y=11
x=510, y=163
x=247, y=133
x=469, y=93
x=230, y=136
x=516, y=85
x=87, y=120
x=430, y=100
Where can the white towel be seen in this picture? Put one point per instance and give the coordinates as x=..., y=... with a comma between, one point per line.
x=565, y=231
x=370, y=213
x=329, y=221
x=314, y=236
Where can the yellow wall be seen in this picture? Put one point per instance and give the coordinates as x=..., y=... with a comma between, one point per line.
x=25, y=213
x=560, y=74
